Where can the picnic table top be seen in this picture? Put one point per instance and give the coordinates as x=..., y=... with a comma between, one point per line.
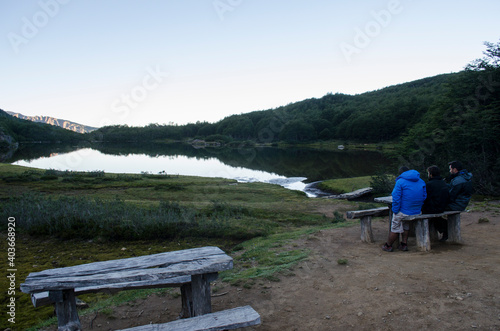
x=145, y=268
x=387, y=199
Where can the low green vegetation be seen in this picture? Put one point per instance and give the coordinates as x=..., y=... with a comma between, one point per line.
x=66, y=218
x=269, y=256
x=342, y=261
x=344, y=185
x=89, y=218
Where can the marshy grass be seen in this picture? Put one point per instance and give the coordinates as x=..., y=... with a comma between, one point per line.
x=89, y=218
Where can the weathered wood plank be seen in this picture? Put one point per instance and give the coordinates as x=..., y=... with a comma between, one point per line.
x=42, y=298
x=427, y=216
x=382, y=211
x=386, y=200
x=140, y=262
x=223, y=320
x=351, y=195
x=208, y=264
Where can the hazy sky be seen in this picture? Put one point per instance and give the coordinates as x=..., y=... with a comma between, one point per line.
x=135, y=62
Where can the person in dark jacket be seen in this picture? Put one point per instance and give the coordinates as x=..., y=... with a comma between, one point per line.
x=437, y=200
x=408, y=196
x=460, y=187
x=460, y=190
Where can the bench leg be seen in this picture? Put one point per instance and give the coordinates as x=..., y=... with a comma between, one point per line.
x=422, y=235
x=202, y=301
x=366, y=229
x=454, y=234
x=67, y=315
x=187, y=301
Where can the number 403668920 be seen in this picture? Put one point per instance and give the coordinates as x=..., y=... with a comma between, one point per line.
x=11, y=238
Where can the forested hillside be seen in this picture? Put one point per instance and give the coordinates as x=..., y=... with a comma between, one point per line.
x=370, y=117
x=463, y=124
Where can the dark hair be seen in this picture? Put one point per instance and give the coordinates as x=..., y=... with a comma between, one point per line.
x=403, y=169
x=434, y=171
x=456, y=165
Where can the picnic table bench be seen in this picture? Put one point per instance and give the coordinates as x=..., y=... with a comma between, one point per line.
x=424, y=230
x=239, y=317
x=366, y=220
x=191, y=269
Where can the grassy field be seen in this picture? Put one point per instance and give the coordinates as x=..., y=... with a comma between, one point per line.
x=344, y=185
x=71, y=218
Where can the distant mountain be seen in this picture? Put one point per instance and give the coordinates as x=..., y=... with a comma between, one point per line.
x=15, y=131
x=80, y=128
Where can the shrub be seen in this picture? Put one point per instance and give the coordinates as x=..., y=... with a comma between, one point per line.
x=382, y=183
x=338, y=217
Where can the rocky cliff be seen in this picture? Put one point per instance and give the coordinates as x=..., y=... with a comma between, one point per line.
x=56, y=122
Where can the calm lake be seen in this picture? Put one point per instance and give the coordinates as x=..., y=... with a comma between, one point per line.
x=292, y=168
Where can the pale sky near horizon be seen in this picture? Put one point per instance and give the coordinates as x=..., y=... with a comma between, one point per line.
x=181, y=61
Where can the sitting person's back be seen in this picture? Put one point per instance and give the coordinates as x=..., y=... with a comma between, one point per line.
x=409, y=193
x=437, y=192
x=438, y=197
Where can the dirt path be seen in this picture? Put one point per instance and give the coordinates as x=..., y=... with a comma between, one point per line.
x=454, y=287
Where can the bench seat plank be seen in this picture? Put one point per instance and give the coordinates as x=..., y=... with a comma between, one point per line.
x=382, y=211
x=427, y=216
x=42, y=298
x=223, y=320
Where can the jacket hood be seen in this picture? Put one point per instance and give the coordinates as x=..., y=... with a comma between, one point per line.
x=411, y=175
x=465, y=174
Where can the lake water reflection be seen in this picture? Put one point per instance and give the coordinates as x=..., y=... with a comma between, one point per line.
x=291, y=167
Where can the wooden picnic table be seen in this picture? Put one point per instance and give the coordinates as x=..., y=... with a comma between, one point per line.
x=159, y=270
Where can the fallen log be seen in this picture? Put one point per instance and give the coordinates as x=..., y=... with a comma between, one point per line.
x=351, y=195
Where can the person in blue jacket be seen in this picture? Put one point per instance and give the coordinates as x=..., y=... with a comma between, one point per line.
x=408, y=197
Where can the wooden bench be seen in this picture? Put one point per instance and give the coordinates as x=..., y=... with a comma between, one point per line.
x=223, y=320
x=201, y=265
x=366, y=220
x=425, y=231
